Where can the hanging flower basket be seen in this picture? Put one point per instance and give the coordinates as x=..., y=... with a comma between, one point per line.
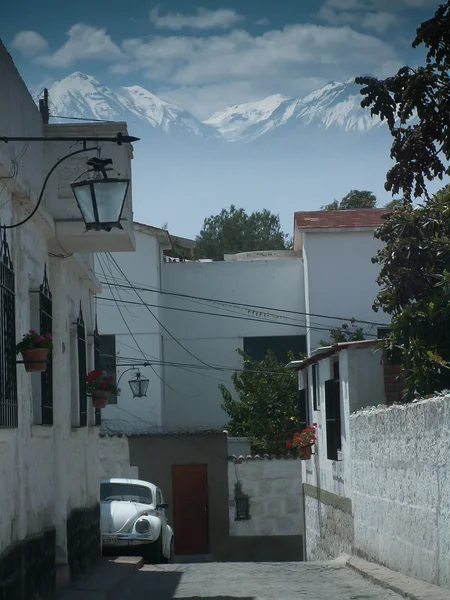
x=304, y=441
x=100, y=386
x=305, y=452
x=34, y=349
x=35, y=359
x=100, y=398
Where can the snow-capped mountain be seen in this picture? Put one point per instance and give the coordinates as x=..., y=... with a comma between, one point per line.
x=334, y=106
x=83, y=96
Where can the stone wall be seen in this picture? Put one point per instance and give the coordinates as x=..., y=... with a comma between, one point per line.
x=401, y=487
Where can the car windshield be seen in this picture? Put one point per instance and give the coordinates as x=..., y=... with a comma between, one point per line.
x=126, y=492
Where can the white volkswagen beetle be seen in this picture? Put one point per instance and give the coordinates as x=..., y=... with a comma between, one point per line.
x=133, y=514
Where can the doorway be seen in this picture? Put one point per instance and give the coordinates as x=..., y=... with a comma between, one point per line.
x=190, y=509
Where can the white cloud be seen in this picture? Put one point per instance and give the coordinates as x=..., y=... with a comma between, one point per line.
x=380, y=22
x=29, y=44
x=222, y=18
x=84, y=43
x=262, y=22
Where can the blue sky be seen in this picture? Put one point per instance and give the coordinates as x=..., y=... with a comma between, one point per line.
x=211, y=54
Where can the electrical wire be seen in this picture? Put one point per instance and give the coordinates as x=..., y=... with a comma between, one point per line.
x=188, y=310
x=156, y=318
x=140, y=349
x=245, y=305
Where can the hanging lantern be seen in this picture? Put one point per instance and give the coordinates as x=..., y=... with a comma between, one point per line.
x=139, y=385
x=101, y=198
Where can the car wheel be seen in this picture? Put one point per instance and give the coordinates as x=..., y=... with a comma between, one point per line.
x=166, y=560
x=153, y=552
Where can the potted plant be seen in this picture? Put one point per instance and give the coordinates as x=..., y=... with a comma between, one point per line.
x=304, y=441
x=100, y=386
x=35, y=348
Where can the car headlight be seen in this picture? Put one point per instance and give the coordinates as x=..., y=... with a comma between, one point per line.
x=142, y=525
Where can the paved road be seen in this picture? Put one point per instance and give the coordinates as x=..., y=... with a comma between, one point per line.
x=253, y=581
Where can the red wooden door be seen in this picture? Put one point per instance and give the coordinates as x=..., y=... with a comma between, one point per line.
x=190, y=509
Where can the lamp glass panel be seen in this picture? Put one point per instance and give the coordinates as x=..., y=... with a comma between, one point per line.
x=110, y=196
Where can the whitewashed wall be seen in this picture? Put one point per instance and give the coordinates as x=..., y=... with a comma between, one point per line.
x=45, y=471
x=328, y=483
x=138, y=335
x=194, y=399
x=274, y=489
x=401, y=487
x=340, y=279
x=114, y=458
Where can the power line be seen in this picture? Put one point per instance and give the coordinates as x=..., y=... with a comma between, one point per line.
x=155, y=317
x=245, y=305
x=200, y=312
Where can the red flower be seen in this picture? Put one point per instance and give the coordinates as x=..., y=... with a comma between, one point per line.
x=95, y=374
x=314, y=424
x=288, y=445
x=40, y=339
x=104, y=384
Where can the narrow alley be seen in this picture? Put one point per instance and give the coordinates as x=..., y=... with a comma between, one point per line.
x=252, y=581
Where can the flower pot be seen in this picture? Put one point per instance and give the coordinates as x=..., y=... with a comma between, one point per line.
x=304, y=452
x=99, y=398
x=35, y=359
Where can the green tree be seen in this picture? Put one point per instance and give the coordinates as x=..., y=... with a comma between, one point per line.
x=395, y=204
x=415, y=103
x=232, y=231
x=355, y=199
x=344, y=333
x=266, y=408
x=414, y=278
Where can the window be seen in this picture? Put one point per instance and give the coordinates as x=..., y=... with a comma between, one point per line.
x=333, y=412
x=8, y=375
x=315, y=386
x=46, y=326
x=81, y=353
x=281, y=345
x=242, y=509
x=107, y=359
x=125, y=492
x=303, y=408
x=97, y=411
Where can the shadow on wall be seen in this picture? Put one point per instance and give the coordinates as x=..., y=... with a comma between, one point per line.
x=164, y=585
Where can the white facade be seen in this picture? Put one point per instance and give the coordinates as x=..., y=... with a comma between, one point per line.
x=273, y=488
x=138, y=335
x=328, y=482
x=193, y=347
x=340, y=280
x=46, y=470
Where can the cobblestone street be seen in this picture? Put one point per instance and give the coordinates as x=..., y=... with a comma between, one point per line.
x=251, y=581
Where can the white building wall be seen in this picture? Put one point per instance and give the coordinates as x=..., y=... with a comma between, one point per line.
x=328, y=483
x=114, y=458
x=274, y=490
x=401, y=487
x=193, y=399
x=45, y=471
x=340, y=280
x=138, y=335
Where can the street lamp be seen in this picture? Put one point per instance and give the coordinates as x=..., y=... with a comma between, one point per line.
x=138, y=384
x=101, y=198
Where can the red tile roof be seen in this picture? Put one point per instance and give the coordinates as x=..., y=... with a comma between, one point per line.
x=316, y=219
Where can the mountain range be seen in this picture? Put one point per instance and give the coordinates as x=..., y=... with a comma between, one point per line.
x=336, y=106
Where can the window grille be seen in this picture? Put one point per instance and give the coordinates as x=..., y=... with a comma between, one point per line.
x=333, y=413
x=8, y=375
x=303, y=409
x=46, y=326
x=242, y=509
x=97, y=366
x=81, y=349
